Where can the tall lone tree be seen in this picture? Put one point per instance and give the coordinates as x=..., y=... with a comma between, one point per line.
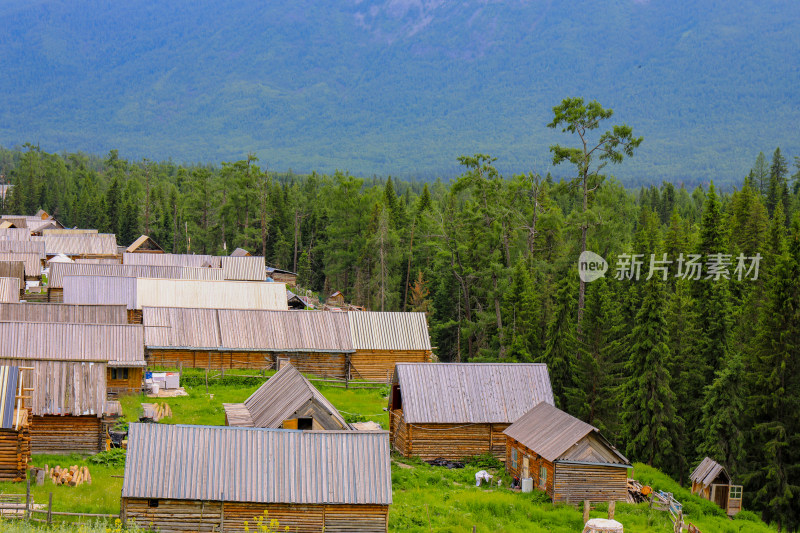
x=576, y=117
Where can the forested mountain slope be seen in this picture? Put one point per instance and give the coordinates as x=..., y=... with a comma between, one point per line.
x=401, y=86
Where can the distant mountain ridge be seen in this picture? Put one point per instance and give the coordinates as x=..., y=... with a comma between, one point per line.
x=402, y=87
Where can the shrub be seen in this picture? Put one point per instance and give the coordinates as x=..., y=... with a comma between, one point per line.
x=483, y=461
x=113, y=457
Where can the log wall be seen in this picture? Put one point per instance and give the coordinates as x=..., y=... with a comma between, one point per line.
x=55, y=296
x=121, y=387
x=449, y=441
x=379, y=365
x=134, y=316
x=320, y=364
x=15, y=453
x=536, y=462
x=191, y=515
x=66, y=434
x=577, y=483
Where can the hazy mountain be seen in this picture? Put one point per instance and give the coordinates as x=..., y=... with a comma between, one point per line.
x=401, y=86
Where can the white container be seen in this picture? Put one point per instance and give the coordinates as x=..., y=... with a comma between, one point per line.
x=172, y=380
x=527, y=484
x=155, y=388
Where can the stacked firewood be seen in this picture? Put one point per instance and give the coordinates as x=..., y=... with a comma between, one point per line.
x=73, y=476
x=155, y=411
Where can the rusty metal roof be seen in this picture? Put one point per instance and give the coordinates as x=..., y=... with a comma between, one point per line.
x=552, y=433
x=254, y=330
x=75, y=314
x=30, y=260
x=244, y=268
x=59, y=270
x=708, y=471
x=460, y=393
x=389, y=331
x=8, y=395
x=257, y=465
x=120, y=345
x=81, y=244
x=9, y=290
x=281, y=396
x=185, y=260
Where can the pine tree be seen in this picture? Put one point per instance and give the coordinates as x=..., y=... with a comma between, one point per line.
x=760, y=173
x=304, y=271
x=778, y=190
x=521, y=315
x=561, y=346
x=648, y=414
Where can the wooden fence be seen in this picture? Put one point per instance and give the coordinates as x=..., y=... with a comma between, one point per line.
x=22, y=507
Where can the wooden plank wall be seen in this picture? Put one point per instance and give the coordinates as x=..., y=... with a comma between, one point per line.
x=577, y=483
x=378, y=365
x=321, y=364
x=66, y=434
x=15, y=453
x=535, y=464
x=120, y=387
x=449, y=441
x=55, y=296
x=191, y=515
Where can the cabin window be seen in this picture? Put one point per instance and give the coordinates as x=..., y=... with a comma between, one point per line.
x=542, y=477
x=514, y=458
x=152, y=503
x=736, y=492
x=119, y=373
x=305, y=423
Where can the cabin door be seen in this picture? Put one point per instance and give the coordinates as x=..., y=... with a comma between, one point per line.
x=719, y=495
x=526, y=467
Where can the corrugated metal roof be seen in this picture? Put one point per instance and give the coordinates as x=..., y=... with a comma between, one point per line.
x=389, y=331
x=81, y=244
x=281, y=396
x=13, y=269
x=120, y=345
x=249, y=268
x=8, y=395
x=9, y=290
x=31, y=261
x=257, y=465
x=210, y=294
x=105, y=290
x=550, y=432
x=457, y=393
x=59, y=270
x=15, y=234
x=186, y=260
x=71, y=231
x=707, y=472
x=98, y=260
x=75, y=314
x=254, y=330
x=23, y=247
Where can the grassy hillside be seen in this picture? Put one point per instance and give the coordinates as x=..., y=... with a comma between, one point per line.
x=426, y=498
x=401, y=87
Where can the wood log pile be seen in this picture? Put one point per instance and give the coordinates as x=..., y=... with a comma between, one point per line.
x=73, y=476
x=637, y=493
x=15, y=453
x=155, y=411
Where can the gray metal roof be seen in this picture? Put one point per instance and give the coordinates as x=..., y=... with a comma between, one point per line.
x=99, y=290
x=120, y=345
x=281, y=396
x=389, y=331
x=23, y=247
x=30, y=260
x=458, y=393
x=244, y=268
x=75, y=314
x=240, y=252
x=59, y=270
x=81, y=244
x=255, y=330
x=15, y=234
x=257, y=465
x=9, y=290
x=185, y=260
x=8, y=395
x=552, y=433
x=708, y=471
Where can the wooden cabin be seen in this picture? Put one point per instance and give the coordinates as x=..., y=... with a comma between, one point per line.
x=310, y=481
x=288, y=277
x=337, y=299
x=14, y=269
x=31, y=263
x=119, y=347
x=55, y=283
x=287, y=400
x=315, y=342
x=15, y=437
x=25, y=247
x=456, y=410
x=566, y=458
x=381, y=340
x=144, y=245
x=712, y=482
x=81, y=245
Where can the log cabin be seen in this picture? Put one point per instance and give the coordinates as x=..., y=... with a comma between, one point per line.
x=712, y=482
x=314, y=342
x=280, y=275
x=201, y=478
x=15, y=437
x=287, y=400
x=120, y=347
x=566, y=458
x=456, y=410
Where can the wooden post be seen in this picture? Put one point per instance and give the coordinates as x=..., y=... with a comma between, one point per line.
x=586, y=507
x=206, y=381
x=612, y=507
x=28, y=498
x=474, y=529
x=50, y=510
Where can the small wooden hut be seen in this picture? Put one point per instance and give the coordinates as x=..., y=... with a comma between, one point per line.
x=309, y=481
x=289, y=401
x=712, y=482
x=566, y=458
x=144, y=245
x=337, y=299
x=455, y=410
x=15, y=437
x=288, y=277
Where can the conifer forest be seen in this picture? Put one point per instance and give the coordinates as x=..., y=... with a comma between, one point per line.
x=688, y=345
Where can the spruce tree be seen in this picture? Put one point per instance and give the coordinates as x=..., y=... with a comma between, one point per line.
x=561, y=345
x=521, y=315
x=648, y=414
